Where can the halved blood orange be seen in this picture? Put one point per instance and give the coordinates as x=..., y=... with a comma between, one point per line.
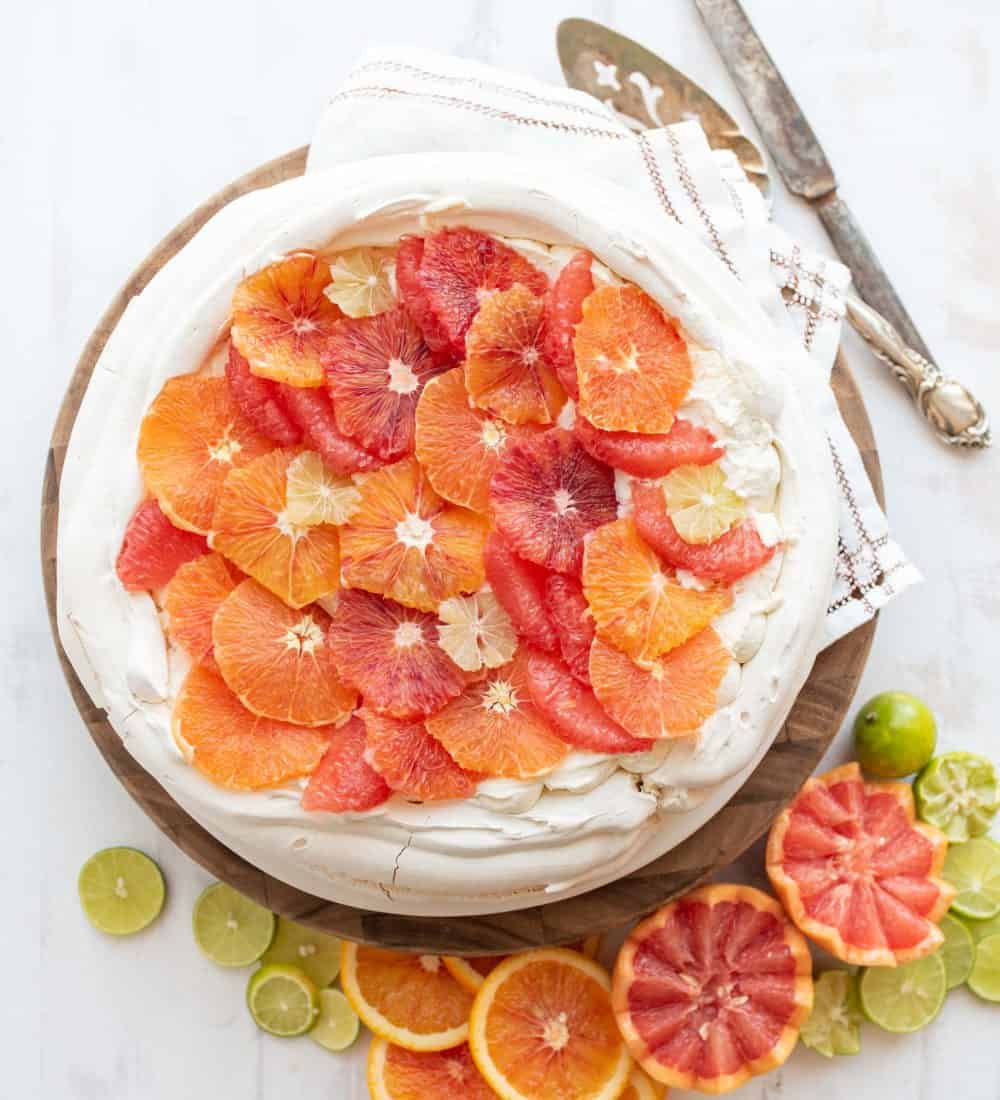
x=298, y=564
x=637, y=606
x=234, y=748
x=190, y=439
x=650, y=455
x=407, y=543
x=570, y=615
x=197, y=591
x=153, y=549
x=282, y=319
x=344, y=781
x=409, y=1000
x=669, y=697
x=505, y=370
x=563, y=312
x=390, y=654
x=260, y=400
x=395, y=1073
x=712, y=989
x=542, y=1028
x=519, y=586
x=471, y=971
x=493, y=727
x=313, y=413
x=276, y=660
x=857, y=873
x=631, y=362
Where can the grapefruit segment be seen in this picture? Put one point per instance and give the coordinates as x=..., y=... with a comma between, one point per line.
x=649, y=455
x=563, y=312
x=260, y=401
x=153, y=549
x=345, y=782
x=569, y=613
x=519, y=586
x=312, y=411
x=412, y=294
x=395, y=1073
x=197, y=591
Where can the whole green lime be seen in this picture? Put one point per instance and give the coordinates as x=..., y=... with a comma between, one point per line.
x=894, y=735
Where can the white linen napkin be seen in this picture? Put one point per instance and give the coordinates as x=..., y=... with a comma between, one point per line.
x=405, y=100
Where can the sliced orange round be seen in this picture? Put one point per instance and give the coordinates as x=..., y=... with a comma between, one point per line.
x=638, y=606
x=409, y=1000
x=471, y=971
x=494, y=728
x=276, y=659
x=632, y=363
x=395, y=1073
x=299, y=564
x=505, y=371
x=542, y=1028
x=671, y=697
x=191, y=438
x=407, y=543
x=282, y=319
x=234, y=748
x=197, y=591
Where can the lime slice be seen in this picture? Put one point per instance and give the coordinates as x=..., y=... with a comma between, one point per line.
x=973, y=869
x=121, y=890
x=230, y=929
x=959, y=793
x=984, y=980
x=338, y=1023
x=282, y=1000
x=957, y=952
x=834, y=1025
x=980, y=929
x=315, y=952
x=904, y=998
x=894, y=735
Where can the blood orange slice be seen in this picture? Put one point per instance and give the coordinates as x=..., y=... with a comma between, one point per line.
x=563, y=312
x=190, y=439
x=519, y=586
x=407, y=543
x=494, y=728
x=505, y=370
x=390, y=654
x=298, y=564
x=260, y=401
x=637, y=606
x=313, y=413
x=412, y=294
x=197, y=591
x=153, y=549
x=234, y=748
x=412, y=762
x=712, y=989
x=650, y=455
x=569, y=612
x=670, y=697
x=345, y=782
x=547, y=494
x=276, y=660
x=857, y=873
x=395, y=1073
x=631, y=362
x=282, y=319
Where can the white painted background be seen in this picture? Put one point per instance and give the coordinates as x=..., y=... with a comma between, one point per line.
x=116, y=118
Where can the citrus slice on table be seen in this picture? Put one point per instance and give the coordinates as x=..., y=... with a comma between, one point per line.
x=476, y=632
x=261, y=402
x=542, y=1028
x=713, y=988
x=198, y=589
x=395, y=1073
x=234, y=748
x=649, y=455
x=563, y=312
x=412, y=762
x=282, y=319
x=282, y=1001
x=701, y=506
x=472, y=970
x=958, y=952
x=855, y=871
x=230, y=929
x=519, y=586
x=632, y=363
x=312, y=410
x=984, y=980
x=362, y=281
x=973, y=869
x=337, y=1025
x=153, y=549
x=315, y=494
x=959, y=792
x=834, y=1025
x=314, y=952
x=407, y=543
x=251, y=527
x=569, y=613
x=121, y=890
x=344, y=781
x=409, y=1000
x=904, y=998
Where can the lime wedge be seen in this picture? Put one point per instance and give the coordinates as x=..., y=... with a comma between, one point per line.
x=984, y=980
x=230, y=929
x=121, y=890
x=315, y=952
x=834, y=1025
x=957, y=952
x=958, y=792
x=338, y=1023
x=973, y=868
x=980, y=929
x=904, y=998
x=282, y=1000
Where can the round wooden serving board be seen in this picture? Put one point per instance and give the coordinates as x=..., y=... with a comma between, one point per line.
x=812, y=724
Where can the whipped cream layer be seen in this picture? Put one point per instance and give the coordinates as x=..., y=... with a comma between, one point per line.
x=595, y=818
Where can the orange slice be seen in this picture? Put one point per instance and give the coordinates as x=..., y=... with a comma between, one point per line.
x=542, y=1028
x=637, y=606
x=493, y=727
x=276, y=660
x=197, y=591
x=631, y=362
x=299, y=564
x=191, y=438
x=669, y=698
x=282, y=318
x=409, y=1000
x=405, y=542
x=395, y=1073
x=505, y=371
x=234, y=748
x=470, y=972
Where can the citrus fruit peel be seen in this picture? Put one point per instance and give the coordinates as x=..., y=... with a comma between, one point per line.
x=395, y=1073
x=476, y=632
x=312, y=411
x=649, y=456
x=563, y=312
x=153, y=549
x=701, y=506
x=260, y=401
x=519, y=586
x=344, y=781
x=198, y=589
x=362, y=282
x=315, y=495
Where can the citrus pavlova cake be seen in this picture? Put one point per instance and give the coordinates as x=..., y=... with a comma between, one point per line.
x=444, y=539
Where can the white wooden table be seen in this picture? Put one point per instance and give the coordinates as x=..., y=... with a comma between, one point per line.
x=118, y=117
